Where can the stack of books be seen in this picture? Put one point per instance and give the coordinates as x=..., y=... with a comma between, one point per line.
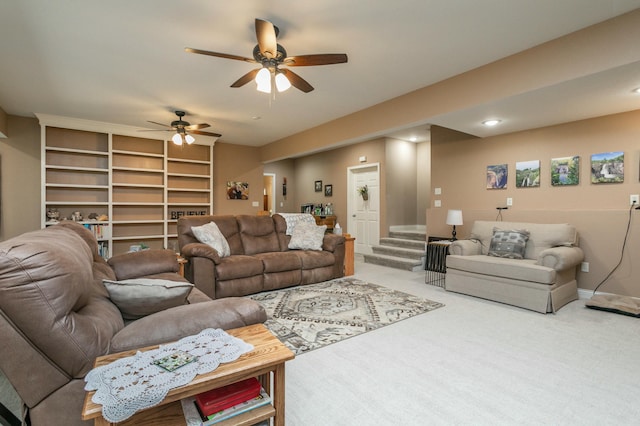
x=220, y=404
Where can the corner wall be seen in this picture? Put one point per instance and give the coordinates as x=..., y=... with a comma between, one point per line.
x=599, y=211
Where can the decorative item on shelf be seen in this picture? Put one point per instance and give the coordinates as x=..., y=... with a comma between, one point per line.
x=337, y=229
x=454, y=217
x=328, y=209
x=53, y=214
x=364, y=192
x=76, y=216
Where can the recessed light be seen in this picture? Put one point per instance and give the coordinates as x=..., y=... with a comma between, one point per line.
x=491, y=122
x=636, y=90
x=256, y=117
x=413, y=139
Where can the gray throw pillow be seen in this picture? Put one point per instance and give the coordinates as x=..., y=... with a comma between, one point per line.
x=307, y=236
x=140, y=297
x=508, y=243
x=211, y=235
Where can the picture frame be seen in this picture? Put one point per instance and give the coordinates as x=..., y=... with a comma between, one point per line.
x=328, y=190
x=497, y=176
x=607, y=167
x=318, y=186
x=237, y=190
x=528, y=174
x=565, y=171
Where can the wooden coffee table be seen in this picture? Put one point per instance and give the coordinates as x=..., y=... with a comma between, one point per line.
x=266, y=362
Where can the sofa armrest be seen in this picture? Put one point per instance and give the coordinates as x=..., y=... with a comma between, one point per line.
x=331, y=241
x=465, y=247
x=143, y=263
x=560, y=258
x=186, y=320
x=200, y=250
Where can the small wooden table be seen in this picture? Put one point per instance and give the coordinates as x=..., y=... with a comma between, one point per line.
x=349, y=257
x=266, y=362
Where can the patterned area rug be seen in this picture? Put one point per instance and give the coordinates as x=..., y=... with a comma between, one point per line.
x=309, y=317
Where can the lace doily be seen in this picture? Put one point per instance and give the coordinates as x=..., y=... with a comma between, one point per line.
x=130, y=384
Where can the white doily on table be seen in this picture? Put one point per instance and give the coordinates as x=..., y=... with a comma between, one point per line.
x=130, y=384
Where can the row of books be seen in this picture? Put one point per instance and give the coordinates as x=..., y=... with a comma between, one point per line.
x=100, y=231
x=220, y=404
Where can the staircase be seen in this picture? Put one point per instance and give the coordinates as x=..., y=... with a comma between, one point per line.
x=403, y=249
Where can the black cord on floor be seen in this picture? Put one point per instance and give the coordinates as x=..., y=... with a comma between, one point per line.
x=624, y=244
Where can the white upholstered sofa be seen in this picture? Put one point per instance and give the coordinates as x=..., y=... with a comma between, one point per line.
x=543, y=280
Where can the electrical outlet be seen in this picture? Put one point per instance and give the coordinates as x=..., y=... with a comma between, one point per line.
x=634, y=199
x=584, y=266
x=509, y=201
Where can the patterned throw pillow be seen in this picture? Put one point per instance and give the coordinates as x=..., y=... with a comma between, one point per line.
x=508, y=243
x=307, y=236
x=210, y=234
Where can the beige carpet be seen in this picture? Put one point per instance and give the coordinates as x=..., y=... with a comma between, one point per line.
x=312, y=316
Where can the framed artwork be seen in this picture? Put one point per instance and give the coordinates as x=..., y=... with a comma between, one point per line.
x=607, y=167
x=497, y=176
x=565, y=171
x=527, y=174
x=237, y=190
x=318, y=186
x=328, y=190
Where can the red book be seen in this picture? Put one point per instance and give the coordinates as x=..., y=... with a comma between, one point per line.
x=215, y=400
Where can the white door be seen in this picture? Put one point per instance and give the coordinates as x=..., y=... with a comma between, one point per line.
x=364, y=215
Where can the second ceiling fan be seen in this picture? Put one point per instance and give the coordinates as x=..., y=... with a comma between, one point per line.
x=271, y=55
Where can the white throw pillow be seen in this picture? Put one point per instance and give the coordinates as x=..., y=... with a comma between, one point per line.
x=139, y=297
x=307, y=236
x=210, y=234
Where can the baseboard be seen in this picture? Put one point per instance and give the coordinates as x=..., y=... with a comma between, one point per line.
x=587, y=294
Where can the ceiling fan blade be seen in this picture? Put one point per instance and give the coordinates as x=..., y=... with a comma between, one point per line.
x=197, y=126
x=321, y=59
x=219, y=55
x=159, y=124
x=297, y=81
x=198, y=132
x=266, y=35
x=246, y=78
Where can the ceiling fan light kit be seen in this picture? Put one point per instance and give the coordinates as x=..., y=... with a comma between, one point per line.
x=181, y=128
x=271, y=55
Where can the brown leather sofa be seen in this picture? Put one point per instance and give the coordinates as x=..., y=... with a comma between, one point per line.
x=260, y=257
x=56, y=316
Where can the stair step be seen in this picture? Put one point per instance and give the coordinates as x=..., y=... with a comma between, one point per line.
x=398, y=242
x=393, y=262
x=409, y=235
x=399, y=252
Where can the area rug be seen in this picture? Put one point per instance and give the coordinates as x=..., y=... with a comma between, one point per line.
x=309, y=317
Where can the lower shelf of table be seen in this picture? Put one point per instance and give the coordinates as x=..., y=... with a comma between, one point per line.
x=171, y=415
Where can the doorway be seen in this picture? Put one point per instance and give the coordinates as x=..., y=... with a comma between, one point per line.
x=269, y=193
x=363, y=216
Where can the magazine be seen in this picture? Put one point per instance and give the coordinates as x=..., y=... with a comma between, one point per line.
x=193, y=416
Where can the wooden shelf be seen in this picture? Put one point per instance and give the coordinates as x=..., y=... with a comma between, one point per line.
x=135, y=181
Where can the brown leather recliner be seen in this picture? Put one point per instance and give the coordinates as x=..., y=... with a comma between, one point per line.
x=56, y=316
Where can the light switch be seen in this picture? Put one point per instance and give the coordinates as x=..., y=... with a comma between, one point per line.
x=437, y=191
x=255, y=204
x=437, y=203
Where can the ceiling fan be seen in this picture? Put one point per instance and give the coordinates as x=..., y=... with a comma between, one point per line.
x=271, y=55
x=181, y=128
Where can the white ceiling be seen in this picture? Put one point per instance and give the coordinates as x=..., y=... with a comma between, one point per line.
x=123, y=62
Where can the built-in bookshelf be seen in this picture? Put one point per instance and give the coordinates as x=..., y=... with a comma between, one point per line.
x=129, y=187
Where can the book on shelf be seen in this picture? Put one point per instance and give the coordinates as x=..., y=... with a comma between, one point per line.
x=194, y=417
x=227, y=396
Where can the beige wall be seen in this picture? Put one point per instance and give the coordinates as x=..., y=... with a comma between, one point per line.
x=4, y=124
x=402, y=184
x=236, y=163
x=284, y=169
x=423, y=177
x=599, y=211
x=20, y=174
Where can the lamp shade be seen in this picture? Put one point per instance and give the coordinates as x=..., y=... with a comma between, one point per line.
x=454, y=217
x=282, y=82
x=177, y=139
x=263, y=80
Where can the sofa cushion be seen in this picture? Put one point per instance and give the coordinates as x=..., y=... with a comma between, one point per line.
x=508, y=243
x=140, y=297
x=307, y=236
x=258, y=234
x=240, y=266
x=279, y=261
x=312, y=259
x=517, y=269
x=210, y=234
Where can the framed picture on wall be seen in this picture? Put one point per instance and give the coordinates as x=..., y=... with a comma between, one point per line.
x=237, y=190
x=527, y=174
x=607, y=167
x=497, y=176
x=318, y=186
x=565, y=171
x=328, y=190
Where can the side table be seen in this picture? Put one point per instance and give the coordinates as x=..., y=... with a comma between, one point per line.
x=436, y=262
x=348, y=255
